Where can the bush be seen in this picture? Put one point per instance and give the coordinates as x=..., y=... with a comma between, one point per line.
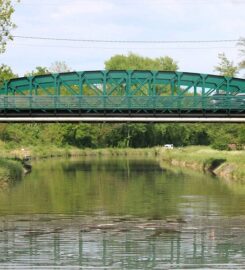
x=220, y=146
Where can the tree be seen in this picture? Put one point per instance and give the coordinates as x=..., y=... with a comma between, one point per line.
x=6, y=24
x=241, y=44
x=56, y=67
x=6, y=73
x=226, y=67
x=38, y=71
x=59, y=67
x=136, y=62
x=222, y=135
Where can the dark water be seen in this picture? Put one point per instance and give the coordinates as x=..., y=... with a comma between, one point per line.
x=119, y=213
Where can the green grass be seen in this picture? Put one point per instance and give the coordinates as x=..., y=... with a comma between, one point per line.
x=226, y=164
x=10, y=171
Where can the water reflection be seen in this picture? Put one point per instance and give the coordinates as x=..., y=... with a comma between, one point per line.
x=62, y=242
x=120, y=214
x=118, y=186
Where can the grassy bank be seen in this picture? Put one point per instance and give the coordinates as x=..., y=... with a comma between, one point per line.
x=225, y=164
x=11, y=168
x=10, y=171
x=49, y=151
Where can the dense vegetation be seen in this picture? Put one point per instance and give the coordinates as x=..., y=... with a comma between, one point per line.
x=119, y=135
x=122, y=135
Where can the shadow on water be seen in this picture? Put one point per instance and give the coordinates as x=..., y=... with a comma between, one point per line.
x=116, y=165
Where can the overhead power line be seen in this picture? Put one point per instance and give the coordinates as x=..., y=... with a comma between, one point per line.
x=125, y=48
x=129, y=41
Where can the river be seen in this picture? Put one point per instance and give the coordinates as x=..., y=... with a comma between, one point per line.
x=120, y=213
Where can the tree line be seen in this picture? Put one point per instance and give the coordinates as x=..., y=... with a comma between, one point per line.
x=123, y=135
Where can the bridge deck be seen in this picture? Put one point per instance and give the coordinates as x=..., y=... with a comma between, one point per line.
x=108, y=119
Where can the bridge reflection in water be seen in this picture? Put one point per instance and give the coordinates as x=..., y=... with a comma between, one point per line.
x=119, y=250
x=162, y=95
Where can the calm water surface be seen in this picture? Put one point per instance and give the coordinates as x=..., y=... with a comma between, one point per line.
x=119, y=213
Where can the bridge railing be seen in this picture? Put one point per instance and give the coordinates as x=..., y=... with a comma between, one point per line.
x=122, y=102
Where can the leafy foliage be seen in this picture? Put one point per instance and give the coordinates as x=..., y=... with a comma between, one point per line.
x=226, y=67
x=59, y=67
x=56, y=67
x=241, y=44
x=38, y=71
x=6, y=73
x=6, y=24
x=122, y=135
x=136, y=62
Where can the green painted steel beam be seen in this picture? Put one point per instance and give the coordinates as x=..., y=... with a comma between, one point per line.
x=124, y=89
x=99, y=81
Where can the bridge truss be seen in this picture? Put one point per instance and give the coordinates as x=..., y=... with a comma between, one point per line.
x=123, y=94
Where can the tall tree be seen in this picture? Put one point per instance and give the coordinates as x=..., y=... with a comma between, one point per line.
x=56, y=67
x=137, y=62
x=6, y=73
x=38, y=71
x=226, y=67
x=241, y=44
x=59, y=66
x=6, y=24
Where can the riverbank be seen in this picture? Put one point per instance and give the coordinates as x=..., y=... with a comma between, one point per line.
x=10, y=171
x=225, y=164
x=11, y=167
x=49, y=151
x=229, y=165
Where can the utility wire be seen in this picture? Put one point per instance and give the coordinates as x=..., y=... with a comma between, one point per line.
x=129, y=41
x=125, y=48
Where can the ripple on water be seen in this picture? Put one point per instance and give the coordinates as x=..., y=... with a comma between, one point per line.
x=120, y=214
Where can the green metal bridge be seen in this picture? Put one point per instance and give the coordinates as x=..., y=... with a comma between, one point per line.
x=123, y=95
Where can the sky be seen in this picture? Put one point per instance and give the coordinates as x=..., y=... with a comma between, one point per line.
x=148, y=20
